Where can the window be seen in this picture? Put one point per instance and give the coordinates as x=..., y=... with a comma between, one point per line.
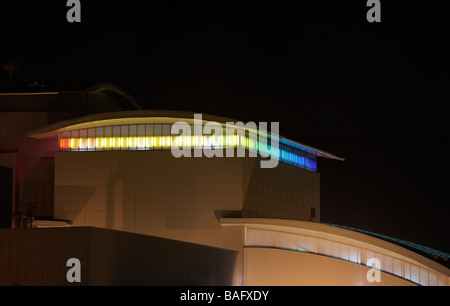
x=159, y=136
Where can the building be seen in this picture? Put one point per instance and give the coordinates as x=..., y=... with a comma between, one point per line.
x=32, y=161
x=115, y=169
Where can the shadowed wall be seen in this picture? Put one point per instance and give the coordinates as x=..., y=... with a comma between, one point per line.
x=38, y=257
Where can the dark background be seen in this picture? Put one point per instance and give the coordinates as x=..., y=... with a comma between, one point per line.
x=373, y=93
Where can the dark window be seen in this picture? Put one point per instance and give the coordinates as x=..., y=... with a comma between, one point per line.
x=313, y=212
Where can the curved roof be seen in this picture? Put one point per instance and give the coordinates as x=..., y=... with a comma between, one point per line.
x=436, y=255
x=344, y=235
x=126, y=101
x=152, y=116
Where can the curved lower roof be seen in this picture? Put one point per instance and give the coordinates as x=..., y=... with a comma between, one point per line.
x=436, y=255
x=153, y=116
x=359, y=238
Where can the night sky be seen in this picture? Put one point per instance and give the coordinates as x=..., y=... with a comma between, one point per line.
x=376, y=94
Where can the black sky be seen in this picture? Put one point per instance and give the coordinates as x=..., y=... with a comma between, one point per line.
x=375, y=94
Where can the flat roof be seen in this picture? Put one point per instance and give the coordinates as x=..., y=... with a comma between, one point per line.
x=111, y=90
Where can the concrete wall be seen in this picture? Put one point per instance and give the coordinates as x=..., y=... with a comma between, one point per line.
x=148, y=192
x=276, y=267
x=154, y=193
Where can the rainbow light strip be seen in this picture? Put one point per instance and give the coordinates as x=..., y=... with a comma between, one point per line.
x=165, y=142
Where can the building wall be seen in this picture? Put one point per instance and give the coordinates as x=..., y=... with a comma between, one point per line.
x=9, y=161
x=6, y=183
x=38, y=257
x=32, y=161
x=147, y=192
x=284, y=192
x=276, y=267
x=153, y=193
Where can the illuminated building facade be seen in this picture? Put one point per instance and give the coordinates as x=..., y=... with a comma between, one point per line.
x=115, y=170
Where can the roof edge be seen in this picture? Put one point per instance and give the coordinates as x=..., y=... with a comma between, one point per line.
x=54, y=128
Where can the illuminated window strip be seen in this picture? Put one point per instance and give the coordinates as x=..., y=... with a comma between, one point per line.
x=150, y=142
x=165, y=142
